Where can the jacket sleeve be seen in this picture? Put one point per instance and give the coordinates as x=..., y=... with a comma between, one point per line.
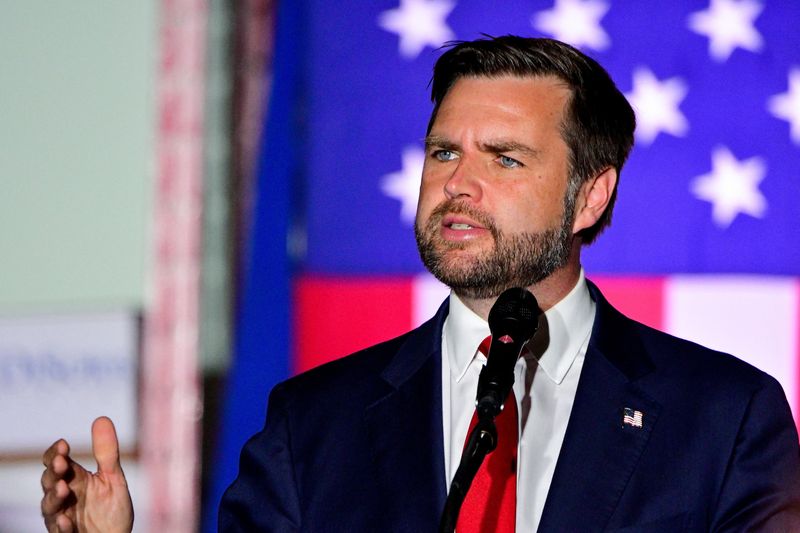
x=264, y=496
x=761, y=489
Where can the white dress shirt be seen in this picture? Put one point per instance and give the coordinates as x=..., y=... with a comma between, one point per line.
x=545, y=384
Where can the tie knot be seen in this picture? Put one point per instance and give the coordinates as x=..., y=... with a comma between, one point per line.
x=485, y=344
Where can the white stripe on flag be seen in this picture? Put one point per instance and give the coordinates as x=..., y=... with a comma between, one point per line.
x=427, y=294
x=752, y=317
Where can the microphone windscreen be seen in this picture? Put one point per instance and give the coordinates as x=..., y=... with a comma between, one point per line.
x=515, y=311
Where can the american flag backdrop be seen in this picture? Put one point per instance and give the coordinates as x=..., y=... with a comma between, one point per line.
x=704, y=242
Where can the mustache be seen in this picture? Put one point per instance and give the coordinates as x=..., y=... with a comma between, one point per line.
x=454, y=207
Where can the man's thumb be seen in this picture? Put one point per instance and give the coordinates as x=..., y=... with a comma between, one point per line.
x=105, y=446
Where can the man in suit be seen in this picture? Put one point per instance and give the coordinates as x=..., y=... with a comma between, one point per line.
x=620, y=427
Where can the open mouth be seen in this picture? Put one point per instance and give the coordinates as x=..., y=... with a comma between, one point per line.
x=460, y=223
x=459, y=226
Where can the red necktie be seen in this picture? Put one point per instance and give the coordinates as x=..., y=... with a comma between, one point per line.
x=491, y=502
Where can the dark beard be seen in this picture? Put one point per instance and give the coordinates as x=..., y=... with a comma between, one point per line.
x=519, y=260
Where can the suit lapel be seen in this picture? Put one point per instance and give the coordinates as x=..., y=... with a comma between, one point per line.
x=600, y=452
x=405, y=431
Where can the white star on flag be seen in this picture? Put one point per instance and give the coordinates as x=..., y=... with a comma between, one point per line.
x=787, y=105
x=576, y=22
x=656, y=105
x=732, y=187
x=404, y=184
x=728, y=24
x=418, y=23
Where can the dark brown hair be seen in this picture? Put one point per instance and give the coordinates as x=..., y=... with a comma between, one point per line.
x=599, y=122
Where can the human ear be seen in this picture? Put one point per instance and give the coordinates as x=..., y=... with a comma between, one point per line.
x=593, y=199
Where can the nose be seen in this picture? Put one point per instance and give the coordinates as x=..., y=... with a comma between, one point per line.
x=463, y=182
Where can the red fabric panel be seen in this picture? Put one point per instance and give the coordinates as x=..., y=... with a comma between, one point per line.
x=335, y=316
x=639, y=298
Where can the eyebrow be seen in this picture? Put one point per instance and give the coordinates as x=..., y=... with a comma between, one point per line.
x=495, y=146
x=500, y=146
x=441, y=142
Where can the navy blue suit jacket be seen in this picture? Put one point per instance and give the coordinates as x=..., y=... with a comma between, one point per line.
x=356, y=445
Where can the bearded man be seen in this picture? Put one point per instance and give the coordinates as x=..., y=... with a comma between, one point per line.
x=619, y=427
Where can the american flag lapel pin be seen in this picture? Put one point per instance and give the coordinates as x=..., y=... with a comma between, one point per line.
x=632, y=417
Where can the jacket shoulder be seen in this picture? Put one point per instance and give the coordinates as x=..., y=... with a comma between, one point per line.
x=355, y=367
x=371, y=371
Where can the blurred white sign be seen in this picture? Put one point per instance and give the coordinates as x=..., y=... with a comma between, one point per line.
x=59, y=372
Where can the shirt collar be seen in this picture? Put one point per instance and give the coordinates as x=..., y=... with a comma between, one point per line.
x=463, y=332
x=563, y=331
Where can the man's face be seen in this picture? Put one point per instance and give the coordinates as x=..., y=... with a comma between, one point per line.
x=492, y=211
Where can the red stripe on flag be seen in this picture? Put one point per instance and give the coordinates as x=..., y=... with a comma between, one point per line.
x=641, y=299
x=335, y=316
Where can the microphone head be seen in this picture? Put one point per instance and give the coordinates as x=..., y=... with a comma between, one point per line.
x=515, y=313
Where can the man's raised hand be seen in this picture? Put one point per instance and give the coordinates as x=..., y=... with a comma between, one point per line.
x=76, y=500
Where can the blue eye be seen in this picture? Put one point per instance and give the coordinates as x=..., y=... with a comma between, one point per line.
x=508, y=162
x=444, y=155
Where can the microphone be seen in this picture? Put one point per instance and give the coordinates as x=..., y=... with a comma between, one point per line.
x=513, y=320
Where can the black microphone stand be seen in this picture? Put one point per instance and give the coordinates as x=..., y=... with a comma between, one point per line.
x=482, y=441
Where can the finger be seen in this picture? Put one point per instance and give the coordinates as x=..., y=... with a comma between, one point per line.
x=59, y=447
x=51, y=524
x=64, y=524
x=57, y=469
x=48, y=479
x=105, y=446
x=53, y=499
